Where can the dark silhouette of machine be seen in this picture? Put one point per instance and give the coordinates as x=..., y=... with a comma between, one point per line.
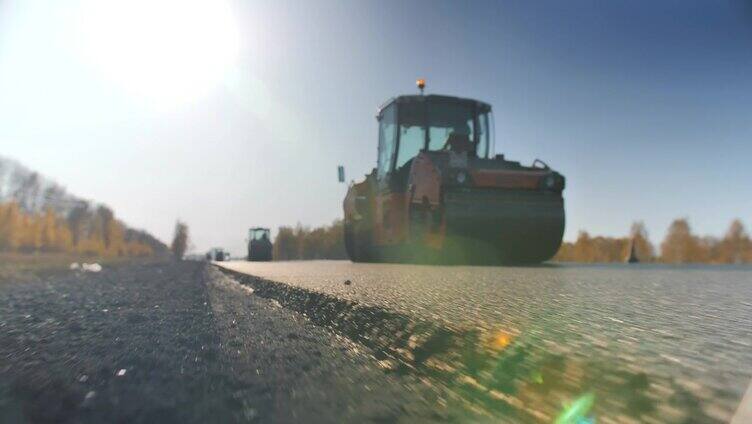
x=632, y=258
x=438, y=194
x=217, y=254
x=259, y=244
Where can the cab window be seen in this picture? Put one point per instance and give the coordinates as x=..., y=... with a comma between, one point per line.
x=483, y=148
x=387, y=139
x=447, y=120
x=259, y=234
x=412, y=132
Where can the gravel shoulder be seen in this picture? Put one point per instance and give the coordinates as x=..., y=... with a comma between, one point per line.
x=181, y=342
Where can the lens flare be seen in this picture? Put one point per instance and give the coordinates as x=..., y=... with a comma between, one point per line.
x=576, y=412
x=500, y=340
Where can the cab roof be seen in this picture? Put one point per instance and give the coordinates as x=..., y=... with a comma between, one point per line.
x=258, y=228
x=433, y=98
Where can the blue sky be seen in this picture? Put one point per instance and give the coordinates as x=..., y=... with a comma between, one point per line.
x=235, y=114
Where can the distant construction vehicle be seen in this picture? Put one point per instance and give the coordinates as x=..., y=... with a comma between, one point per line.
x=217, y=254
x=438, y=194
x=259, y=244
x=632, y=258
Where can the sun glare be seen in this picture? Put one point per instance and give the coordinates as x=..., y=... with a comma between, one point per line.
x=166, y=51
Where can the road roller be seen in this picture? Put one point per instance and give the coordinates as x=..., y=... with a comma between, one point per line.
x=259, y=244
x=440, y=194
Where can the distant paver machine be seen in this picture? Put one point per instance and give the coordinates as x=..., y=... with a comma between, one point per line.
x=438, y=194
x=259, y=244
x=217, y=254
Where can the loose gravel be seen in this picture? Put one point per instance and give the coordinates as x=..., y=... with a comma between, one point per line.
x=181, y=342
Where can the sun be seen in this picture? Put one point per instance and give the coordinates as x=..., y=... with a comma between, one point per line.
x=165, y=51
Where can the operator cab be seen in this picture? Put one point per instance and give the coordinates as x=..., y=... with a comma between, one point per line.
x=259, y=244
x=258, y=234
x=218, y=254
x=411, y=124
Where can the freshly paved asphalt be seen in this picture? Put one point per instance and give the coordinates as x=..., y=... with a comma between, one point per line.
x=642, y=343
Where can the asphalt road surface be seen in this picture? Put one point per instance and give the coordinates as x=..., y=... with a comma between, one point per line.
x=620, y=343
x=342, y=342
x=182, y=342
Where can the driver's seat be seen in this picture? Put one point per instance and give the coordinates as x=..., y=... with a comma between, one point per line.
x=459, y=143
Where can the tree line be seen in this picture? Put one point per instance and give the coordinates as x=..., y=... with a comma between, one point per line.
x=86, y=230
x=679, y=246
x=299, y=242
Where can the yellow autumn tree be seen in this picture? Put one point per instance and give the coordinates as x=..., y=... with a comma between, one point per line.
x=734, y=247
x=300, y=242
x=30, y=237
x=115, y=243
x=680, y=245
x=49, y=228
x=63, y=237
x=83, y=232
x=10, y=226
x=584, y=250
